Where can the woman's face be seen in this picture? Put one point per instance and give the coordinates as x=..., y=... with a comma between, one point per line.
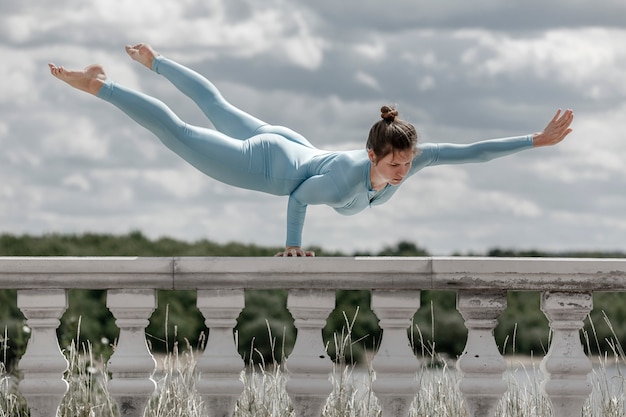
x=393, y=167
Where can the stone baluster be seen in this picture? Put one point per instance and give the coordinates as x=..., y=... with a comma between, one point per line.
x=43, y=364
x=308, y=365
x=481, y=364
x=395, y=363
x=220, y=366
x=132, y=365
x=566, y=368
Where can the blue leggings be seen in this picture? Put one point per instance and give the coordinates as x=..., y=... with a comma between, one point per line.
x=242, y=150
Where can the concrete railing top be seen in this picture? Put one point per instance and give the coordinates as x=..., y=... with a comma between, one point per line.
x=442, y=273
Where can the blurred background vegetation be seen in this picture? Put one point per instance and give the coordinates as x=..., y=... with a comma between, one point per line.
x=265, y=327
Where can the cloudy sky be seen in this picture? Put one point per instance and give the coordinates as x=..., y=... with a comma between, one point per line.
x=460, y=71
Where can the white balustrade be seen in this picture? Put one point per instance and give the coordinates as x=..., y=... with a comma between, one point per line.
x=481, y=285
x=43, y=364
x=566, y=367
x=132, y=365
x=220, y=365
x=309, y=365
x=481, y=364
x=395, y=364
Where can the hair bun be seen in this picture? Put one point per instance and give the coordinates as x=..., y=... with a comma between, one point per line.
x=389, y=114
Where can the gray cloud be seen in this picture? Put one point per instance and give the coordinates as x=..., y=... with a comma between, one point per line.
x=460, y=71
x=511, y=16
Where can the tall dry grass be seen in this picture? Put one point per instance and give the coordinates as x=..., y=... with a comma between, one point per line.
x=265, y=395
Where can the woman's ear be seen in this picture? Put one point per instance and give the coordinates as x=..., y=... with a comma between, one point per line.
x=371, y=155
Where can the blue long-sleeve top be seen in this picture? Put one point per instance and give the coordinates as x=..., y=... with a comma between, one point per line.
x=341, y=180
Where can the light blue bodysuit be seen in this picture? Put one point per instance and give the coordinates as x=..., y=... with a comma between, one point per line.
x=246, y=152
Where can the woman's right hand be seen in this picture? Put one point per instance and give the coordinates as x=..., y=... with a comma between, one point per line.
x=295, y=251
x=556, y=130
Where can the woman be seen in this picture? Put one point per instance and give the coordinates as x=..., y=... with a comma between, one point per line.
x=246, y=152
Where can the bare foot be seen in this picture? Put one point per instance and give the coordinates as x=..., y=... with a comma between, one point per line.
x=142, y=53
x=89, y=80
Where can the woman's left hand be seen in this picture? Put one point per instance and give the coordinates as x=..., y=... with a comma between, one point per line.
x=556, y=130
x=295, y=251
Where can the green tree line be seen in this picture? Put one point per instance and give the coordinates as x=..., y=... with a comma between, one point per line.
x=265, y=327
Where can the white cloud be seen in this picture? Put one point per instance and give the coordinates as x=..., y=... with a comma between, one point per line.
x=589, y=59
x=7, y=192
x=135, y=12
x=179, y=183
x=75, y=136
x=283, y=33
x=367, y=80
x=595, y=149
x=16, y=75
x=374, y=49
x=23, y=158
x=18, y=28
x=73, y=163
x=77, y=181
x=427, y=83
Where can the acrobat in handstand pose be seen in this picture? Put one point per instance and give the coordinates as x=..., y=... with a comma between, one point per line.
x=246, y=152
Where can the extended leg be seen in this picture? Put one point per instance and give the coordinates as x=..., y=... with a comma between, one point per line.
x=212, y=152
x=225, y=117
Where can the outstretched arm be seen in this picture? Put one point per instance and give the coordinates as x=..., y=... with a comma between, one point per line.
x=556, y=130
x=319, y=189
x=449, y=153
x=296, y=212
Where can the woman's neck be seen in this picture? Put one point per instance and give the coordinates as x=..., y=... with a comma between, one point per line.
x=376, y=183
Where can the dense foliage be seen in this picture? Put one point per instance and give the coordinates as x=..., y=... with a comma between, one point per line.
x=265, y=327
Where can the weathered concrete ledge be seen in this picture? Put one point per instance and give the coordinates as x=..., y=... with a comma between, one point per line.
x=397, y=273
